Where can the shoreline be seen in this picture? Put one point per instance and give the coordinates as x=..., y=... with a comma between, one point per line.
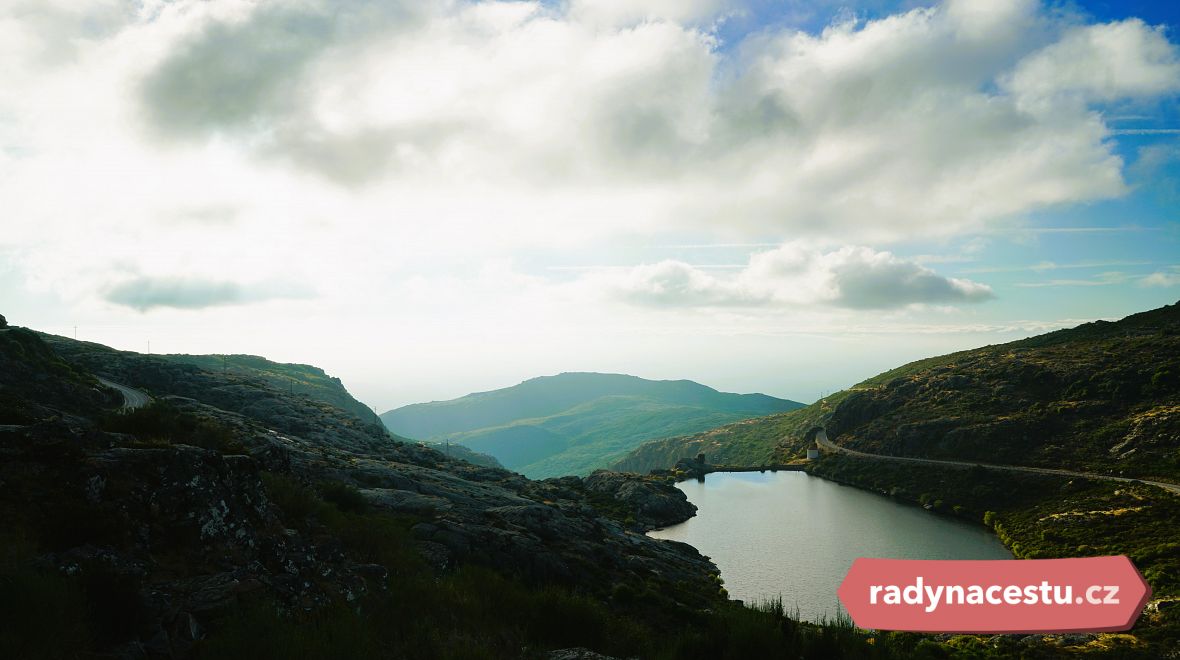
x=802, y=467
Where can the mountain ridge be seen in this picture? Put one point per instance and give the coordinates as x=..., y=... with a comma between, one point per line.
x=575, y=422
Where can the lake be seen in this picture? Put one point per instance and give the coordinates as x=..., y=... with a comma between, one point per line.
x=793, y=535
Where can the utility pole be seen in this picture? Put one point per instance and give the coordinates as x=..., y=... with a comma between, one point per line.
x=75, y=333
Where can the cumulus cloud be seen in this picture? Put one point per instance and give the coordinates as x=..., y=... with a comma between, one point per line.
x=1108, y=62
x=918, y=122
x=794, y=274
x=671, y=283
x=865, y=279
x=147, y=293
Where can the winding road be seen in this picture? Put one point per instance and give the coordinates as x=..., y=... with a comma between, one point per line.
x=132, y=398
x=821, y=438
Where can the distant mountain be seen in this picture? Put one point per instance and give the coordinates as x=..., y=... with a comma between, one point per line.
x=573, y=423
x=1101, y=397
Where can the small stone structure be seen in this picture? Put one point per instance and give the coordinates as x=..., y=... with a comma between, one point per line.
x=813, y=451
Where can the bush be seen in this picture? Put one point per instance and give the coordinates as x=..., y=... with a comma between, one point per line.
x=343, y=496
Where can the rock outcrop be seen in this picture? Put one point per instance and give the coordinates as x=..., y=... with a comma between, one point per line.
x=656, y=502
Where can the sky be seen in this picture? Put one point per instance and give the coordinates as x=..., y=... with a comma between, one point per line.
x=431, y=199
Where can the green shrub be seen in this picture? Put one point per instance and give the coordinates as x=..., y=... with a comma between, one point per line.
x=295, y=501
x=345, y=497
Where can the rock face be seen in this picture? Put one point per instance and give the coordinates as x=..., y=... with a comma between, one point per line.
x=657, y=503
x=120, y=514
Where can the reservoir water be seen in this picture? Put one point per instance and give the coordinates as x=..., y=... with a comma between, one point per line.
x=792, y=535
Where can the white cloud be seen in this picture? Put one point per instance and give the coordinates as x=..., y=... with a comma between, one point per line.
x=1163, y=278
x=1108, y=62
x=675, y=284
x=794, y=274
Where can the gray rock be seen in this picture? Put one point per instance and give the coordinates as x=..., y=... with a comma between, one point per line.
x=657, y=502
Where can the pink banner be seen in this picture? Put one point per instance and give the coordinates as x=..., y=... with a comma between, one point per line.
x=1091, y=594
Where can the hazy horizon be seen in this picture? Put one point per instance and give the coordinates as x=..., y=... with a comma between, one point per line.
x=429, y=201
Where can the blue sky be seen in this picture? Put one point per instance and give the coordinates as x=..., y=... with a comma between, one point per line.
x=814, y=16
x=434, y=199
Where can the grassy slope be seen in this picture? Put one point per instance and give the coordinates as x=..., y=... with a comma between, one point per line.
x=589, y=436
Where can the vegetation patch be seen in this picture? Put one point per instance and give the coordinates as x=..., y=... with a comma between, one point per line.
x=161, y=423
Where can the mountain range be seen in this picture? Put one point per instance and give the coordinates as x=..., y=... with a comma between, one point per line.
x=574, y=423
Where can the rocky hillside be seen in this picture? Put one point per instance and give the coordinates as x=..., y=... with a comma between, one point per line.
x=574, y=423
x=231, y=518
x=294, y=378
x=1101, y=397
x=313, y=416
